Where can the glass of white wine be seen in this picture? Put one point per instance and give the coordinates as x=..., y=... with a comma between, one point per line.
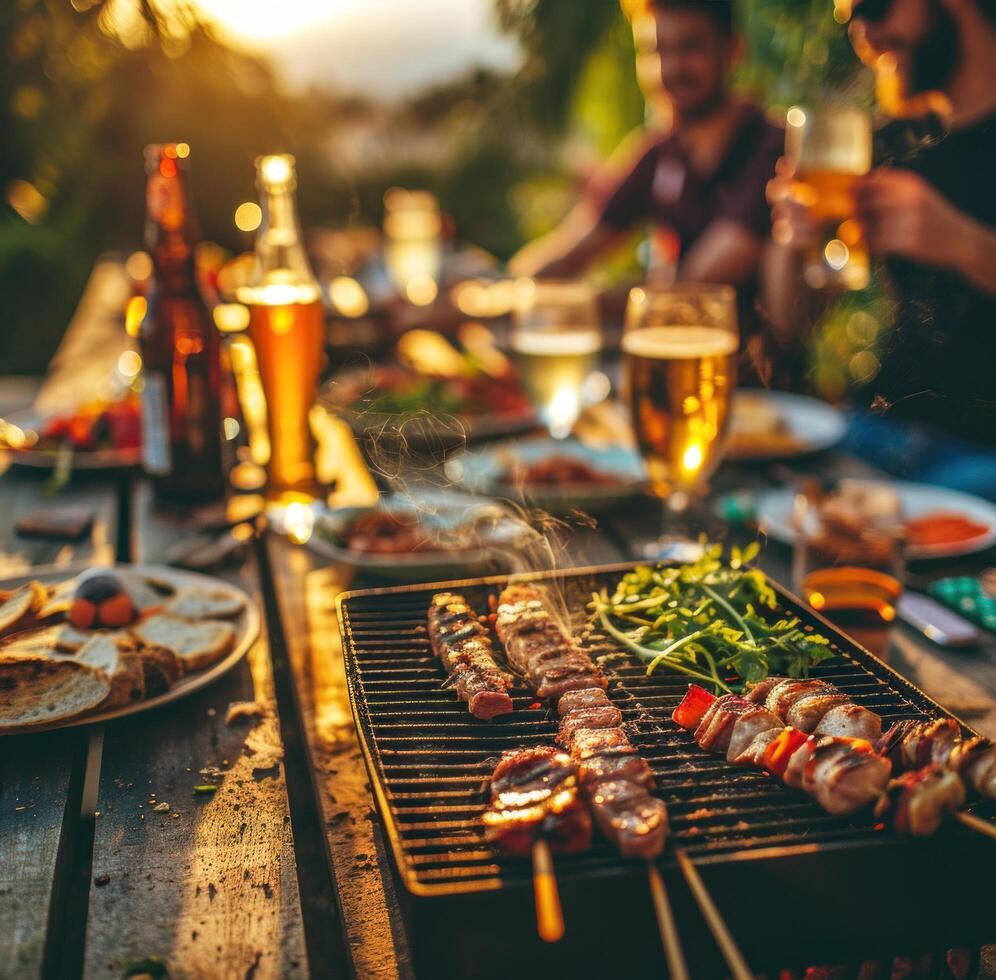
x=556, y=339
x=679, y=373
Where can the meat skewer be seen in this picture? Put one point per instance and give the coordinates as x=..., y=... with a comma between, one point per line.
x=614, y=779
x=535, y=808
x=842, y=773
x=463, y=645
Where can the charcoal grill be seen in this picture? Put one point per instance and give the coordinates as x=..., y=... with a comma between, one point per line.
x=794, y=884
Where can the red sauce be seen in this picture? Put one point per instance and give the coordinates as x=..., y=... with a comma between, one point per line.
x=942, y=527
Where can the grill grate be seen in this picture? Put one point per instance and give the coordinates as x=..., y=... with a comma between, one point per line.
x=430, y=759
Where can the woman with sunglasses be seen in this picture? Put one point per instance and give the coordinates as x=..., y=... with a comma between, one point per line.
x=930, y=217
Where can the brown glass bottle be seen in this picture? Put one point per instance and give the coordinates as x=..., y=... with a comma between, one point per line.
x=181, y=398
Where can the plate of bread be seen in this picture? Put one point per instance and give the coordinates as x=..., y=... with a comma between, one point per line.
x=110, y=642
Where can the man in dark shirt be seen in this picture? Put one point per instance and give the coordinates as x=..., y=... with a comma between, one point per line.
x=702, y=185
x=931, y=218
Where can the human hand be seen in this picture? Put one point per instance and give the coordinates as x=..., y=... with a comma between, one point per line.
x=902, y=214
x=791, y=203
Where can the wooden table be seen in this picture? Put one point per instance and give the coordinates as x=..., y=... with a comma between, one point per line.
x=281, y=872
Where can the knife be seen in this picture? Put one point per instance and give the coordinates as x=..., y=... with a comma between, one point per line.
x=936, y=622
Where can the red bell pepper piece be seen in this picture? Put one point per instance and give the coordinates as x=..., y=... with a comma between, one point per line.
x=694, y=705
x=780, y=751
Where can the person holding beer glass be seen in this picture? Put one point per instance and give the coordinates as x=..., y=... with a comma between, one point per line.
x=701, y=185
x=930, y=219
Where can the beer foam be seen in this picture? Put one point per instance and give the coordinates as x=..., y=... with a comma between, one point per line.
x=559, y=342
x=679, y=342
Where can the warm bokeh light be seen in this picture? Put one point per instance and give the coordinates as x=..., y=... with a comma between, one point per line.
x=27, y=200
x=421, y=290
x=795, y=116
x=231, y=427
x=276, y=169
x=248, y=216
x=231, y=317
x=129, y=363
x=134, y=315
x=299, y=522
x=348, y=297
x=138, y=265
x=265, y=20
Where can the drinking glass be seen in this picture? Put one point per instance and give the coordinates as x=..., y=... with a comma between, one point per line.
x=850, y=569
x=829, y=149
x=679, y=371
x=413, y=243
x=556, y=340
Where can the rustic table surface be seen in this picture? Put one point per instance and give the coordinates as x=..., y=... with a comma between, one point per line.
x=282, y=871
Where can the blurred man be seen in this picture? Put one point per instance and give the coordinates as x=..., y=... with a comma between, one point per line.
x=931, y=218
x=703, y=183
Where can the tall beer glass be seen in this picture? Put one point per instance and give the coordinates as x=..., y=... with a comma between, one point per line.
x=829, y=149
x=555, y=340
x=680, y=368
x=287, y=328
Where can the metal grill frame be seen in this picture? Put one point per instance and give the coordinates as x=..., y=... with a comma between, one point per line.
x=728, y=868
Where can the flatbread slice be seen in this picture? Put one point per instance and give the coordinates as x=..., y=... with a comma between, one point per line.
x=18, y=606
x=37, y=690
x=121, y=665
x=197, y=644
x=196, y=603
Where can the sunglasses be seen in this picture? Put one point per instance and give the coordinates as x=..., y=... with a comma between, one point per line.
x=871, y=11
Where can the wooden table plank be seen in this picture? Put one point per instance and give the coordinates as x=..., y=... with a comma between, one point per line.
x=306, y=590
x=41, y=775
x=209, y=886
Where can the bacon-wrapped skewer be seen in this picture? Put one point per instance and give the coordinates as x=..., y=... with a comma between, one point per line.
x=843, y=774
x=464, y=647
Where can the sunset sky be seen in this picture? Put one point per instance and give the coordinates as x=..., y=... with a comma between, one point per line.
x=387, y=48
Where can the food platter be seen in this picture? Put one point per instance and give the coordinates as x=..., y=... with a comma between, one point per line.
x=438, y=512
x=28, y=420
x=779, y=425
x=774, y=513
x=498, y=471
x=246, y=625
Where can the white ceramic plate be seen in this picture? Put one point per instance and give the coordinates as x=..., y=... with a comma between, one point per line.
x=774, y=512
x=485, y=472
x=48, y=459
x=246, y=630
x=441, y=510
x=812, y=425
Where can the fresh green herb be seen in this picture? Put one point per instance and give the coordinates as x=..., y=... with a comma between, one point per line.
x=205, y=789
x=702, y=620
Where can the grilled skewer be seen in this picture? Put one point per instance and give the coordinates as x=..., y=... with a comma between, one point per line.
x=843, y=774
x=464, y=647
x=614, y=779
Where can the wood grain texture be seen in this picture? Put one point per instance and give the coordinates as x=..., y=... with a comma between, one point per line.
x=209, y=884
x=307, y=593
x=35, y=773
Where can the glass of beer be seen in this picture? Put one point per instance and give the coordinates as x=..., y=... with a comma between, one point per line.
x=679, y=371
x=556, y=339
x=287, y=329
x=829, y=148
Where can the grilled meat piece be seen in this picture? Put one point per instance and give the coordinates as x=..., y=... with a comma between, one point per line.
x=630, y=817
x=784, y=694
x=716, y=728
x=591, y=697
x=807, y=712
x=975, y=761
x=540, y=648
x=796, y=768
x=618, y=763
x=754, y=752
x=749, y=726
x=585, y=742
x=534, y=793
x=845, y=774
x=918, y=800
x=464, y=648
x=588, y=719
x=849, y=720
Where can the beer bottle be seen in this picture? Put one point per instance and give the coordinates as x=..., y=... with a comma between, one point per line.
x=287, y=329
x=181, y=397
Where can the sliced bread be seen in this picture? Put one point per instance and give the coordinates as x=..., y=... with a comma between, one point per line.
x=196, y=603
x=36, y=690
x=58, y=599
x=121, y=665
x=18, y=607
x=197, y=644
x=161, y=668
x=146, y=593
x=59, y=638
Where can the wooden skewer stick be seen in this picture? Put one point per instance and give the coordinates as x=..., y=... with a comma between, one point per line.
x=549, y=915
x=976, y=823
x=739, y=969
x=677, y=968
